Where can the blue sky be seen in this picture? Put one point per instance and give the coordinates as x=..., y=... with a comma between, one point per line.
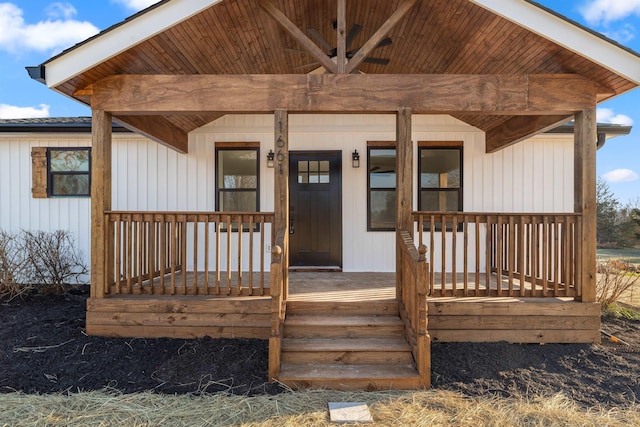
x=31, y=31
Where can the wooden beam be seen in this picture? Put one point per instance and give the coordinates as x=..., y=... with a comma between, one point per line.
x=520, y=128
x=281, y=185
x=157, y=129
x=377, y=37
x=562, y=94
x=295, y=32
x=404, y=185
x=584, y=181
x=342, y=37
x=100, y=199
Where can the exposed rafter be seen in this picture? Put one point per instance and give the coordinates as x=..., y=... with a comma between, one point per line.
x=157, y=129
x=520, y=128
x=377, y=37
x=299, y=36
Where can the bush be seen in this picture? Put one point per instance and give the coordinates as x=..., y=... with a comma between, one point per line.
x=38, y=260
x=615, y=278
x=53, y=263
x=12, y=267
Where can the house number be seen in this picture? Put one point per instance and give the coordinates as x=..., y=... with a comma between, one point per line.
x=280, y=156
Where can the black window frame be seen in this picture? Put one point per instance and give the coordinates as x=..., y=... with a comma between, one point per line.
x=51, y=174
x=221, y=191
x=378, y=146
x=459, y=190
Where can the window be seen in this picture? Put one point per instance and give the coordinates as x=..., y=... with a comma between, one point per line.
x=440, y=183
x=313, y=172
x=381, y=181
x=69, y=172
x=237, y=178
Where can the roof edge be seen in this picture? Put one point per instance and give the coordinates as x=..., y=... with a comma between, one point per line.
x=568, y=34
x=120, y=37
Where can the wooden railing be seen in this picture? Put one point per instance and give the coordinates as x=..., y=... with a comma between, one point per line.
x=515, y=255
x=186, y=253
x=278, y=308
x=414, y=283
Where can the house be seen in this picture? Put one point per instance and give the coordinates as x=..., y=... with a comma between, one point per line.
x=290, y=138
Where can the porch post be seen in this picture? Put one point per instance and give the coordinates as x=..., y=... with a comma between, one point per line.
x=281, y=187
x=404, y=185
x=584, y=161
x=100, y=198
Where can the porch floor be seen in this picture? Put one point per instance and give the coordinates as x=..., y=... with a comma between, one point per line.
x=337, y=286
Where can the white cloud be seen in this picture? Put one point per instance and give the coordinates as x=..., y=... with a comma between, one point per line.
x=56, y=33
x=136, y=4
x=60, y=10
x=607, y=115
x=13, y=112
x=602, y=12
x=620, y=175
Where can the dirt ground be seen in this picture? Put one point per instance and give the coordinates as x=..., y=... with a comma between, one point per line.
x=43, y=349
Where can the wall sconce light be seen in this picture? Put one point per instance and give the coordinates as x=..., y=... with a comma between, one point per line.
x=355, y=159
x=270, y=156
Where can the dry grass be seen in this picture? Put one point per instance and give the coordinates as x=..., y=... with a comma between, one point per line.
x=299, y=409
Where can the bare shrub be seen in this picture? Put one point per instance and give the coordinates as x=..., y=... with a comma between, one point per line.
x=12, y=267
x=53, y=263
x=614, y=279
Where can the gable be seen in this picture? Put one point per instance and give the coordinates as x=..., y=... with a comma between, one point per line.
x=488, y=37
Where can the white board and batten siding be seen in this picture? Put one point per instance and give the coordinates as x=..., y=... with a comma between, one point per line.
x=532, y=176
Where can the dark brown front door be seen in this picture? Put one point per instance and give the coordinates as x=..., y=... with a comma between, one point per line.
x=315, y=203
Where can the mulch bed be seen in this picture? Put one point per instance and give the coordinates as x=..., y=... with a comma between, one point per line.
x=44, y=349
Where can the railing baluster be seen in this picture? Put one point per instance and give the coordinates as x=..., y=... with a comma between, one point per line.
x=477, y=233
x=443, y=253
x=262, y=254
x=490, y=249
x=218, y=237
x=196, y=224
x=251, y=230
x=521, y=256
x=510, y=249
x=545, y=254
x=432, y=232
x=240, y=230
x=162, y=229
x=454, y=253
x=206, y=254
x=229, y=231
x=466, y=255
x=174, y=255
x=129, y=257
x=118, y=245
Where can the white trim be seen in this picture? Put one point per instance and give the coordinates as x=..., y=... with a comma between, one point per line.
x=122, y=38
x=567, y=35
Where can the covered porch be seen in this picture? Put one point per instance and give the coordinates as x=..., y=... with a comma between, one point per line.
x=459, y=274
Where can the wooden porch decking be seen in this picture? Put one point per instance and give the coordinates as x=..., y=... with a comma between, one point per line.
x=450, y=319
x=327, y=286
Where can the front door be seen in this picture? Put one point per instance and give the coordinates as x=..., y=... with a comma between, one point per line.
x=315, y=209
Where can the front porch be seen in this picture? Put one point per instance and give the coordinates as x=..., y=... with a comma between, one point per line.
x=450, y=319
x=502, y=277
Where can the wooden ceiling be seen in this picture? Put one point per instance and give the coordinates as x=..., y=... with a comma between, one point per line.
x=435, y=37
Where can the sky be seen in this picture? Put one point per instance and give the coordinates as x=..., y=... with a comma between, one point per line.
x=32, y=31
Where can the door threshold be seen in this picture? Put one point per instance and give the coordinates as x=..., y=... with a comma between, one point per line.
x=315, y=269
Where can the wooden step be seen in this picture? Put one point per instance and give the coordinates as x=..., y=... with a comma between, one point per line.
x=333, y=326
x=350, y=377
x=346, y=308
x=395, y=351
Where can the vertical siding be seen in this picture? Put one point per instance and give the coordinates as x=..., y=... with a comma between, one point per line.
x=532, y=176
x=18, y=210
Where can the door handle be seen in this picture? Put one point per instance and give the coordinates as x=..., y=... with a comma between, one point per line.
x=292, y=229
